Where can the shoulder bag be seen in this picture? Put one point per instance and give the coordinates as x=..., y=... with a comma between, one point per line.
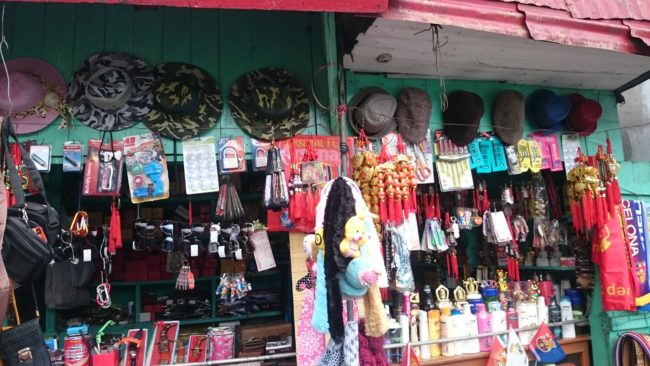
x=23, y=344
x=31, y=228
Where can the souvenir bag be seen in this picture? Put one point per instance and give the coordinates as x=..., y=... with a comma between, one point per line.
x=31, y=228
x=23, y=344
x=310, y=343
x=60, y=289
x=221, y=343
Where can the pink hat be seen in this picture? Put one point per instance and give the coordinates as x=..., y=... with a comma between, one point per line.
x=37, y=94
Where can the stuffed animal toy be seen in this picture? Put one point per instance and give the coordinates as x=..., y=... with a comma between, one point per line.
x=355, y=237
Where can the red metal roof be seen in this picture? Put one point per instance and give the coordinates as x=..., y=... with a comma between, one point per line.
x=343, y=6
x=617, y=25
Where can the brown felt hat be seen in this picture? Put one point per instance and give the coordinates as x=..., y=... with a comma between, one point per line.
x=462, y=116
x=413, y=114
x=372, y=109
x=508, y=116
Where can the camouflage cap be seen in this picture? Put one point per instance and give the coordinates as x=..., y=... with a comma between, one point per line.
x=269, y=104
x=187, y=101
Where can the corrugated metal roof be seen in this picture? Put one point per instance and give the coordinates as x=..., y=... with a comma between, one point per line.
x=609, y=9
x=604, y=24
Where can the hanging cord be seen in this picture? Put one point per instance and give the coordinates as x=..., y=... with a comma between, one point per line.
x=4, y=44
x=437, y=53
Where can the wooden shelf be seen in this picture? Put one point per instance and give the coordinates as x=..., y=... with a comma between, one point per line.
x=578, y=345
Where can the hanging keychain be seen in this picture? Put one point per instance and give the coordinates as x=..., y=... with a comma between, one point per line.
x=185, y=280
x=215, y=230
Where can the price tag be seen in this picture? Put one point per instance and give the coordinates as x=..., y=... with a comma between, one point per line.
x=222, y=251
x=238, y=254
x=87, y=255
x=194, y=250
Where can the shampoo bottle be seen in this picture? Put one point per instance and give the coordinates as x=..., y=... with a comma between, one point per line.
x=555, y=316
x=568, y=330
x=471, y=345
x=434, y=331
x=512, y=317
x=542, y=310
x=423, y=327
x=498, y=319
x=459, y=329
x=446, y=331
x=484, y=326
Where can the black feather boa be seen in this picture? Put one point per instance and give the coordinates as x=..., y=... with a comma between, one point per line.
x=338, y=210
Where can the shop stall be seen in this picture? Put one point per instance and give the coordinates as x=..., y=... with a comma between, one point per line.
x=201, y=186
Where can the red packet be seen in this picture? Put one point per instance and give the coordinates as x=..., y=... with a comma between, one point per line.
x=111, y=358
x=197, y=348
x=103, y=171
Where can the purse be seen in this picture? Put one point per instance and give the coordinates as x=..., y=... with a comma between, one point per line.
x=23, y=344
x=31, y=228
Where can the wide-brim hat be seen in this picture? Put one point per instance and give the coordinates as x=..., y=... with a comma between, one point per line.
x=547, y=110
x=269, y=104
x=413, y=113
x=36, y=94
x=186, y=101
x=508, y=114
x=372, y=109
x=111, y=91
x=462, y=116
x=584, y=115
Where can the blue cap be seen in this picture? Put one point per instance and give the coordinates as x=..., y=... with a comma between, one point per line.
x=455, y=312
x=490, y=291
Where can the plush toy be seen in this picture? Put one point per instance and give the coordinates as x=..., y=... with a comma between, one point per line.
x=355, y=237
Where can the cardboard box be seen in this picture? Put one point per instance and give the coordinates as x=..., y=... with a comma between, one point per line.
x=266, y=329
x=157, y=212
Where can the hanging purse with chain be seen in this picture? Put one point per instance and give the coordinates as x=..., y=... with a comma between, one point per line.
x=276, y=191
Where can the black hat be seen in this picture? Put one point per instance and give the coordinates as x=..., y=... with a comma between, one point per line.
x=462, y=116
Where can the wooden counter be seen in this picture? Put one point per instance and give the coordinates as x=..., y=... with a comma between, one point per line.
x=577, y=346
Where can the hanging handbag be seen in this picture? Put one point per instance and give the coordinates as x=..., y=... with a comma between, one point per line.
x=60, y=289
x=23, y=344
x=31, y=228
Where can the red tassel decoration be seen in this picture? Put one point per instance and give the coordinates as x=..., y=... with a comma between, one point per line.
x=310, y=208
x=383, y=215
x=399, y=214
x=391, y=209
x=438, y=213
x=448, y=266
x=609, y=192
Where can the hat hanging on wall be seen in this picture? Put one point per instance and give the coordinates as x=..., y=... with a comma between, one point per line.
x=508, y=115
x=37, y=94
x=269, y=104
x=413, y=114
x=372, y=109
x=584, y=115
x=462, y=116
x=547, y=110
x=111, y=91
x=187, y=101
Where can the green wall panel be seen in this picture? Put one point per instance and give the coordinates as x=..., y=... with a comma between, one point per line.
x=225, y=43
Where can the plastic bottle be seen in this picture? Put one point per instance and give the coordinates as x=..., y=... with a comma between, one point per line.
x=434, y=331
x=415, y=337
x=568, y=330
x=512, y=317
x=542, y=310
x=554, y=316
x=459, y=329
x=471, y=345
x=427, y=299
x=498, y=319
x=446, y=331
x=423, y=327
x=405, y=328
x=484, y=326
x=527, y=318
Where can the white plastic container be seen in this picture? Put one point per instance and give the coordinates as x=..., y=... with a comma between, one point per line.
x=446, y=331
x=471, y=345
x=527, y=318
x=423, y=326
x=568, y=330
x=542, y=310
x=498, y=320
